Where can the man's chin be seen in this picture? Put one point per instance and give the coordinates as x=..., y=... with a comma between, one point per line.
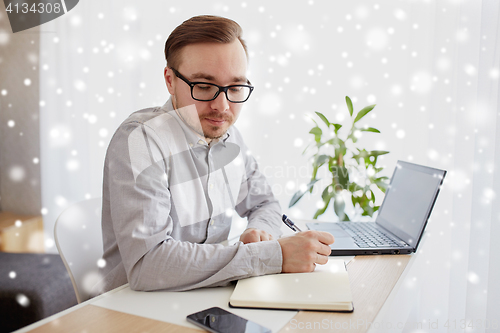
x=214, y=132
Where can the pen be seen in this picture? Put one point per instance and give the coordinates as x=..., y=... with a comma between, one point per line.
x=289, y=223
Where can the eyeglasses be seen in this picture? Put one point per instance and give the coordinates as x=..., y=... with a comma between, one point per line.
x=204, y=91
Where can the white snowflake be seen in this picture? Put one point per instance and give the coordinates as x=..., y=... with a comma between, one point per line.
x=377, y=39
x=421, y=82
x=72, y=165
x=23, y=300
x=17, y=173
x=76, y=20
x=4, y=37
x=396, y=89
x=80, y=85
x=494, y=73
x=103, y=132
x=400, y=14
x=101, y=263
x=49, y=243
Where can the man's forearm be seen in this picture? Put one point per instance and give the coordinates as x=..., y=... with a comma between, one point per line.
x=266, y=217
x=179, y=266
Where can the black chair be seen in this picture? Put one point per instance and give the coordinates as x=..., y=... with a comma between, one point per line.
x=32, y=287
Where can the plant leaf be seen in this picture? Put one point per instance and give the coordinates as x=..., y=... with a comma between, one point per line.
x=353, y=187
x=337, y=127
x=363, y=112
x=326, y=196
x=317, y=132
x=370, y=129
x=340, y=176
x=299, y=194
x=321, y=159
x=323, y=118
x=367, y=212
x=349, y=104
x=321, y=211
x=381, y=184
x=327, y=193
x=354, y=199
x=314, y=121
x=372, y=197
x=339, y=207
x=378, y=152
x=306, y=149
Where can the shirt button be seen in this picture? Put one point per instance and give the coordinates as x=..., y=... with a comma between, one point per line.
x=190, y=144
x=212, y=222
x=201, y=142
x=211, y=186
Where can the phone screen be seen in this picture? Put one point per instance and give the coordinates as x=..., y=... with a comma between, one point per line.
x=221, y=321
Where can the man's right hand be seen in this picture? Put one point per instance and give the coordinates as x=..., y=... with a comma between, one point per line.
x=302, y=251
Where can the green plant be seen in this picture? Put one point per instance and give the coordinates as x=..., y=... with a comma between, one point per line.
x=345, y=164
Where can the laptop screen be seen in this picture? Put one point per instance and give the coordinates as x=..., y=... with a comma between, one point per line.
x=409, y=200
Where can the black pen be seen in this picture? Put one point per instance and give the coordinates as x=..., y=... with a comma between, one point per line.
x=289, y=223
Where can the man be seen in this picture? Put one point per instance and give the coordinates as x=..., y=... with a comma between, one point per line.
x=174, y=175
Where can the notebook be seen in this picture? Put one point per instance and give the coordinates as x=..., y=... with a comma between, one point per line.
x=401, y=220
x=325, y=289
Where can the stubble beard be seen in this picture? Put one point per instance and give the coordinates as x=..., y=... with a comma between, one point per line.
x=196, y=124
x=215, y=129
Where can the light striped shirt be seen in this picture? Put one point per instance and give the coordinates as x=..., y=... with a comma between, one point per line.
x=168, y=199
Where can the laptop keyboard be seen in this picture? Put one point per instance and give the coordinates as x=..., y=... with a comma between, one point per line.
x=366, y=235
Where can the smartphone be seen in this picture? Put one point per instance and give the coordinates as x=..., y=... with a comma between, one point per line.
x=218, y=320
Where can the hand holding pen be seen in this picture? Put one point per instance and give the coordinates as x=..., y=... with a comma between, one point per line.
x=301, y=252
x=290, y=224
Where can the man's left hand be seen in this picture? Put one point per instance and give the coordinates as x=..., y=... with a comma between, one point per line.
x=252, y=235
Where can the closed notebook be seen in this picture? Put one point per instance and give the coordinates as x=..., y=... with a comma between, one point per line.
x=326, y=289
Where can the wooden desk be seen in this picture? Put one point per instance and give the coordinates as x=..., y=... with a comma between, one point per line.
x=372, y=280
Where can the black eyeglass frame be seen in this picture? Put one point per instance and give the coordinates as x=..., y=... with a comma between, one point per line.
x=223, y=89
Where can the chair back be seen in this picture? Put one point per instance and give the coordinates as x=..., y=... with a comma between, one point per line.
x=78, y=237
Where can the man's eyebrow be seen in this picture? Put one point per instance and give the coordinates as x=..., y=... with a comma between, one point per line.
x=201, y=75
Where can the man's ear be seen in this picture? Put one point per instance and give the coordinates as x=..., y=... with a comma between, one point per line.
x=169, y=79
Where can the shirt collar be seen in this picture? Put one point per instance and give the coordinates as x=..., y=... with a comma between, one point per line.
x=192, y=137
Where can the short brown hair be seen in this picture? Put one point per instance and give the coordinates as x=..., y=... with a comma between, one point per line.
x=201, y=29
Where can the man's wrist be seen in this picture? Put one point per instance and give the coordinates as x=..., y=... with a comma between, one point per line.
x=269, y=255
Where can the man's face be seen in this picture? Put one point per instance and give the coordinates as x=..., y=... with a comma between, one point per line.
x=222, y=64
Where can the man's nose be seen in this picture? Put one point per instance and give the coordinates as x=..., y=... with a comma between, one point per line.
x=220, y=103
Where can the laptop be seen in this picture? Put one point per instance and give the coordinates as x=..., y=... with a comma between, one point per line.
x=401, y=219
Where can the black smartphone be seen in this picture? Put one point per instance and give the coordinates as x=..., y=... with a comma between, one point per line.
x=218, y=320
